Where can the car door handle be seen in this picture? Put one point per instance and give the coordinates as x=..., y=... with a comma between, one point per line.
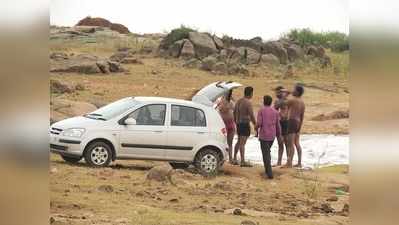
x=157, y=131
x=199, y=132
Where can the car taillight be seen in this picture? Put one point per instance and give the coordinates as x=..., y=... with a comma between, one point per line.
x=224, y=131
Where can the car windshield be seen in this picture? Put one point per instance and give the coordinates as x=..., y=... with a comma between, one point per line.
x=114, y=109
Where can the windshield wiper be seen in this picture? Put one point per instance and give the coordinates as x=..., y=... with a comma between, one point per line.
x=93, y=116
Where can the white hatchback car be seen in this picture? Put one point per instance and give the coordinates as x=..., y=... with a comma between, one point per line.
x=179, y=131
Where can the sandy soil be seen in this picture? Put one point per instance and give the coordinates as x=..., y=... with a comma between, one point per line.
x=121, y=194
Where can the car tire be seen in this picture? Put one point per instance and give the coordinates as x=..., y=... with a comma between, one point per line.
x=71, y=159
x=207, y=162
x=176, y=165
x=98, y=154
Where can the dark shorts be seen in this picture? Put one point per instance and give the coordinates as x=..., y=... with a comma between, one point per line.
x=243, y=129
x=284, y=127
x=293, y=126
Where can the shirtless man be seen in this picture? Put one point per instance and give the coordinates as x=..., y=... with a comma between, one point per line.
x=226, y=111
x=243, y=116
x=281, y=106
x=296, y=111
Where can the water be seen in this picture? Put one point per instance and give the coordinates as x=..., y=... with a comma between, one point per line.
x=317, y=149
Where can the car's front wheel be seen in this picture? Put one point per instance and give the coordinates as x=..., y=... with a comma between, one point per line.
x=98, y=154
x=207, y=162
x=71, y=159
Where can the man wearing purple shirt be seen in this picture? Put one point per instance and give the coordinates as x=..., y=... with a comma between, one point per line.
x=268, y=127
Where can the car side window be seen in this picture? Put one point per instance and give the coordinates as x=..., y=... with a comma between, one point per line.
x=152, y=115
x=187, y=116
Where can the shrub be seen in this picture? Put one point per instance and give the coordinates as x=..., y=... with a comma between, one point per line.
x=175, y=35
x=336, y=41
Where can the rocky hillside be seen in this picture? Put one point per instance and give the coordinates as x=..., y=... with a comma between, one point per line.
x=229, y=55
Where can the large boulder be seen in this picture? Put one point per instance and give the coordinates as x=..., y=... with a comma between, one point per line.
x=187, y=50
x=119, y=56
x=315, y=51
x=192, y=63
x=218, y=42
x=220, y=68
x=237, y=68
x=59, y=56
x=160, y=174
x=115, y=67
x=61, y=109
x=252, y=56
x=208, y=63
x=175, y=48
x=119, y=28
x=59, y=87
x=277, y=49
x=295, y=52
x=203, y=44
x=85, y=67
x=269, y=59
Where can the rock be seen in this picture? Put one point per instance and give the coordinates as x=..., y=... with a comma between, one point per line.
x=187, y=50
x=218, y=42
x=248, y=222
x=59, y=56
x=101, y=22
x=252, y=56
x=61, y=109
x=175, y=48
x=203, y=44
x=326, y=208
x=314, y=51
x=119, y=56
x=332, y=199
x=54, y=170
x=325, y=61
x=79, y=87
x=119, y=28
x=87, y=57
x=115, y=67
x=277, y=49
x=223, y=185
x=131, y=60
x=220, y=68
x=174, y=200
x=192, y=63
x=208, y=63
x=160, y=173
x=269, y=59
x=106, y=188
x=85, y=67
x=339, y=114
x=237, y=212
x=58, y=87
x=103, y=66
x=295, y=52
x=237, y=68
x=345, y=210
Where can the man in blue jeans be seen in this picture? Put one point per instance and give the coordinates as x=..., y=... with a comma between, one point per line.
x=268, y=127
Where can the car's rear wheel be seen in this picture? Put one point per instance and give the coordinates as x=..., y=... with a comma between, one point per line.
x=98, y=154
x=71, y=159
x=176, y=165
x=207, y=162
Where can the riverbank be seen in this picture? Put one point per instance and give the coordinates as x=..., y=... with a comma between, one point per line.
x=122, y=194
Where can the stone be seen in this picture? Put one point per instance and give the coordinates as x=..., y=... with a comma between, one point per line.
x=332, y=199
x=220, y=67
x=160, y=173
x=103, y=66
x=131, y=60
x=59, y=56
x=187, y=50
x=248, y=222
x=208, y=63
x=119, y=56
x=252, y=56
x=277, y=49
x=295, y=52
x=269, y=59
x=218, y=42
x=237, y=212
x=203, y=44
x=59, y=87
x=192, y=63
x=237, y=68
x=106, y=188
x=175, y=48
x=115, y=67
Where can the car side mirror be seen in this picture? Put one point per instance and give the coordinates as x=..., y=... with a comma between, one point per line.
x=130, y=121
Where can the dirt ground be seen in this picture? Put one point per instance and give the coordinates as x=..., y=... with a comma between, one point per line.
x=122, y=194
x=324, y=93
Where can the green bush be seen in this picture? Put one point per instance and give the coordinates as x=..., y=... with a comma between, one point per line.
x=175, y=35
x=336, y=41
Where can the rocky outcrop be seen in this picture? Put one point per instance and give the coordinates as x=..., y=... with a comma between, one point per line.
x=84, y=64
x=295, y=52
x=269, y=59
x=187, y=50
x=101, y=22
x=203, y=44
x=277, y=49
x=61, y=109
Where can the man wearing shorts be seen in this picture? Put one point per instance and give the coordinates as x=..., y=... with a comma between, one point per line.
x=296, y=111
x=281, y=106
x=243, y=116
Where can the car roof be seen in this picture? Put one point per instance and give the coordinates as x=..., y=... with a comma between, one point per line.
x=169, y=100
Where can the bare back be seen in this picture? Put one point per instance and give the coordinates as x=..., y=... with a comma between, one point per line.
x=296, y=109
x=226, y=109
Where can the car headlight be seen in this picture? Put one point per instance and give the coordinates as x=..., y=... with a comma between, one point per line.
x=73, y=132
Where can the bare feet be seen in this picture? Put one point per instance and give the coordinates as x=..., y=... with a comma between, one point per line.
x=298, y=165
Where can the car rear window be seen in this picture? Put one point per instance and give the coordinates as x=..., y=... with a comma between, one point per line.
x=187, y=116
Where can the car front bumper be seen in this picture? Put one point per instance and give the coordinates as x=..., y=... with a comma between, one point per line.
x=66, y=146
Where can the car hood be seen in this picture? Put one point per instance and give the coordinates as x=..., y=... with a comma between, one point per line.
x=76, y=122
